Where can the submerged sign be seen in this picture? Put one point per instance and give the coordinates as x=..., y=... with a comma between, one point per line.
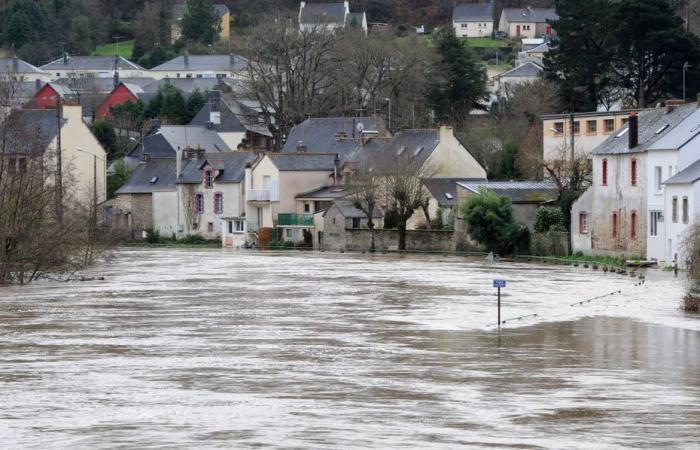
x=499, y=283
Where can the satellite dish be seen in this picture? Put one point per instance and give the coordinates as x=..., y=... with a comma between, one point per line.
x=360, y=127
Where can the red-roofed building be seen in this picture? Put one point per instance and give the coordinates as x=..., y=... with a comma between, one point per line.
x=45, y=98
x=124, y=92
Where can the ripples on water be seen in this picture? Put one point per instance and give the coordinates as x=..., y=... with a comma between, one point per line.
x=221, y=349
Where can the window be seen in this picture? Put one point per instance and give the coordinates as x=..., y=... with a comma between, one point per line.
x=577, y=127
x=605, y=172
x=464, y=25
x=657, y=177
x=307, y=207
x=290, y=233
x=199, y=75
x=685, y=209
x=609, y=125
x=591, y=126
x=218, y=203
x=559, y=127
x=210, y=227
x=655, y=217
x=633, y=225
x=674, y=210
x=238, y=226
x=356, y=222
x=583, y=223
x=624, y=121
x=199, y=204
x=633, y=172
x=209, y=179
x=614, y=225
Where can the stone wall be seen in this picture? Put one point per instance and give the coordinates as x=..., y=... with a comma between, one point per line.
x=358, y=239
x=550, y=244
x=131, y=211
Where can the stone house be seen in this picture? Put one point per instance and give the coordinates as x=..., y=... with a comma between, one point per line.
x=612, y=217
x=341, y=216
x=473, y=20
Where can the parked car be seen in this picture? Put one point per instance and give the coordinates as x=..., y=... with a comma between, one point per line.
x=500, y=35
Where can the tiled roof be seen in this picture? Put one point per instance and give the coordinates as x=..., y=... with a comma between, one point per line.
x=323, y=13
x=300, y=162
x=542, y=48
x=321, y=134
x=416, y=145
x=653, y=125
x=689, y=175
x=151, y=176
x=681, y=135
x=231, y=167
x=517, y=191
x=229, y=123
x=28, y=131
x=186, y=85
x=473, y=12
x=209, y=63
x=348, y=210
x=526, y=70
x=444, y=190
x=325, y=192
x=538, y=15
x=16, y=65
x=104, y=85
x=163, y=142
x=103, y=63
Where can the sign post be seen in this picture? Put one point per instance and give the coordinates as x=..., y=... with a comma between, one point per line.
x=499, y=284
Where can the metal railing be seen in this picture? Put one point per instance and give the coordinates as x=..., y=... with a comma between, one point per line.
x=304, y=220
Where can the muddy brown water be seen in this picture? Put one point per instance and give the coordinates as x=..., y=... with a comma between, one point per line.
x=223, y=349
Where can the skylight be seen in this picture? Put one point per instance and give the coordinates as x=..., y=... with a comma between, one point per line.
x=154, y=179
x=623, y=132
x=401, y=150
x=418, y=150
x=449, y=196
x=661, y=130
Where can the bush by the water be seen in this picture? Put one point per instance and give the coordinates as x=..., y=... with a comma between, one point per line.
x=547, y=219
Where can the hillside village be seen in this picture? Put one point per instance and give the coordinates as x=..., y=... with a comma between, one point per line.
x=246, y=148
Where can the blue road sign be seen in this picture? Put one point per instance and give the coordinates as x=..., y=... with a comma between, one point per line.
x=499, y=283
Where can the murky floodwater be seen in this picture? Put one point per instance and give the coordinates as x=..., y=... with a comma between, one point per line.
x=204, y=349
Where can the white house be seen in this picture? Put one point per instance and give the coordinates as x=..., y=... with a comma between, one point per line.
x=329, y=17
x=526, y=73
x=93, y=67
x=526, y=22
x=18, y=70
x=201, y=66
x=473, y=19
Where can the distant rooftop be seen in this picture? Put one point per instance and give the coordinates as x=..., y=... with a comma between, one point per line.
x=210, y=63
x=88, y=63
x=517, y=191
x=473, y=12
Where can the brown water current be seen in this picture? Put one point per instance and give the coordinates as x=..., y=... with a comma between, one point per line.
x=227, y=349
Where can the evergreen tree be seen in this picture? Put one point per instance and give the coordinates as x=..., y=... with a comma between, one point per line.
x=201, y=22
x=195, y=102
x=22, y=22
x=458, y=79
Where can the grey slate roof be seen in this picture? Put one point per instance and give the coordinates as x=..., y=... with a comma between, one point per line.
x=354, y=150
x=163, y=142
x=179, y=10
x=103, y=63
x=650, y=122
x=22, y=90
x=16, y=65
x=323, y=13
x=680, y=135
x=443, y=188
x=417, y=145
x=28, y=131
x=517, y=191
x=229, y=122
x=349, y=211
x=151, y=176
x=689, y=175
x=186, y=85
x=213, y=63
x=542, y=48
x=104, y=85
x=321, y=134
x=473, y=12
x=300, y=162
x=538, y=15
x=326, y=192
x=526, y=70
x=230, y=167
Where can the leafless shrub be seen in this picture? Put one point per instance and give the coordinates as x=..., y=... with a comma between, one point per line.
x=691, y=249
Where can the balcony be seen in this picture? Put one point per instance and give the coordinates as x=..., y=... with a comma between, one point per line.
x=252, y=227
x=295, y=220
x=262, y=195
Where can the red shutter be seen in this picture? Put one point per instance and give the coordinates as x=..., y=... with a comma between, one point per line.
x=633, y=225
x=605, y=172
x=614, y=225
x=634, y=172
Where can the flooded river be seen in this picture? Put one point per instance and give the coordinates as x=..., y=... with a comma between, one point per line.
x=221, y=349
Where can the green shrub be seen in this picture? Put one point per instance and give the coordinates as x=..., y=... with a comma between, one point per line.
x=152, y=236
x=193, y=239
x=548, y=218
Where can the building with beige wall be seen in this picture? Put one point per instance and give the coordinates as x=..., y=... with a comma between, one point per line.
x=526, y=22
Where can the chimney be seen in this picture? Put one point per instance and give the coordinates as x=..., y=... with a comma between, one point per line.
x=233, y=60
x=178, y=162
x=336, y=169
x=38, y=84
x=248, y=176
x=186, y=59
x=116, y=71
x=15, y=63
x=633, y=132
x=301, y=147
x=65, y=59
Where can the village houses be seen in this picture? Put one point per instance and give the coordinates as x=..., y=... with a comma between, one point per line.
x=473, y=19
x=329, y=16
x=526, y=22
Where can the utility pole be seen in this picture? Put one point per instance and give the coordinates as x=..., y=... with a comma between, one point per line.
x=94, y=192
x=59, y=163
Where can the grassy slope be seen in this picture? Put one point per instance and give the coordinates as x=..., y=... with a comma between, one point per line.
x=125, y=49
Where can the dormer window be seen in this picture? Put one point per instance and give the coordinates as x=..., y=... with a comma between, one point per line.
x=208, y=179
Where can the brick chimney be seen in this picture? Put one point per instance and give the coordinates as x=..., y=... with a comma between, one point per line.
x=633, y=133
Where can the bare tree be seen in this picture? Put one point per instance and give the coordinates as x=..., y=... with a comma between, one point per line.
x=366, y=189
x=189, y=206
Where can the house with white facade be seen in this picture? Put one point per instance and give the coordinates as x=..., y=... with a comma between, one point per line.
x=201, y=66
x=73, y=66
x=473, y=19
x=526, y=22
x=329, y=17
x=622, y=213
x=16, y=69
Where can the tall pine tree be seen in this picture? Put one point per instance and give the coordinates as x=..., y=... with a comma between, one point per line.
x=201, y=22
